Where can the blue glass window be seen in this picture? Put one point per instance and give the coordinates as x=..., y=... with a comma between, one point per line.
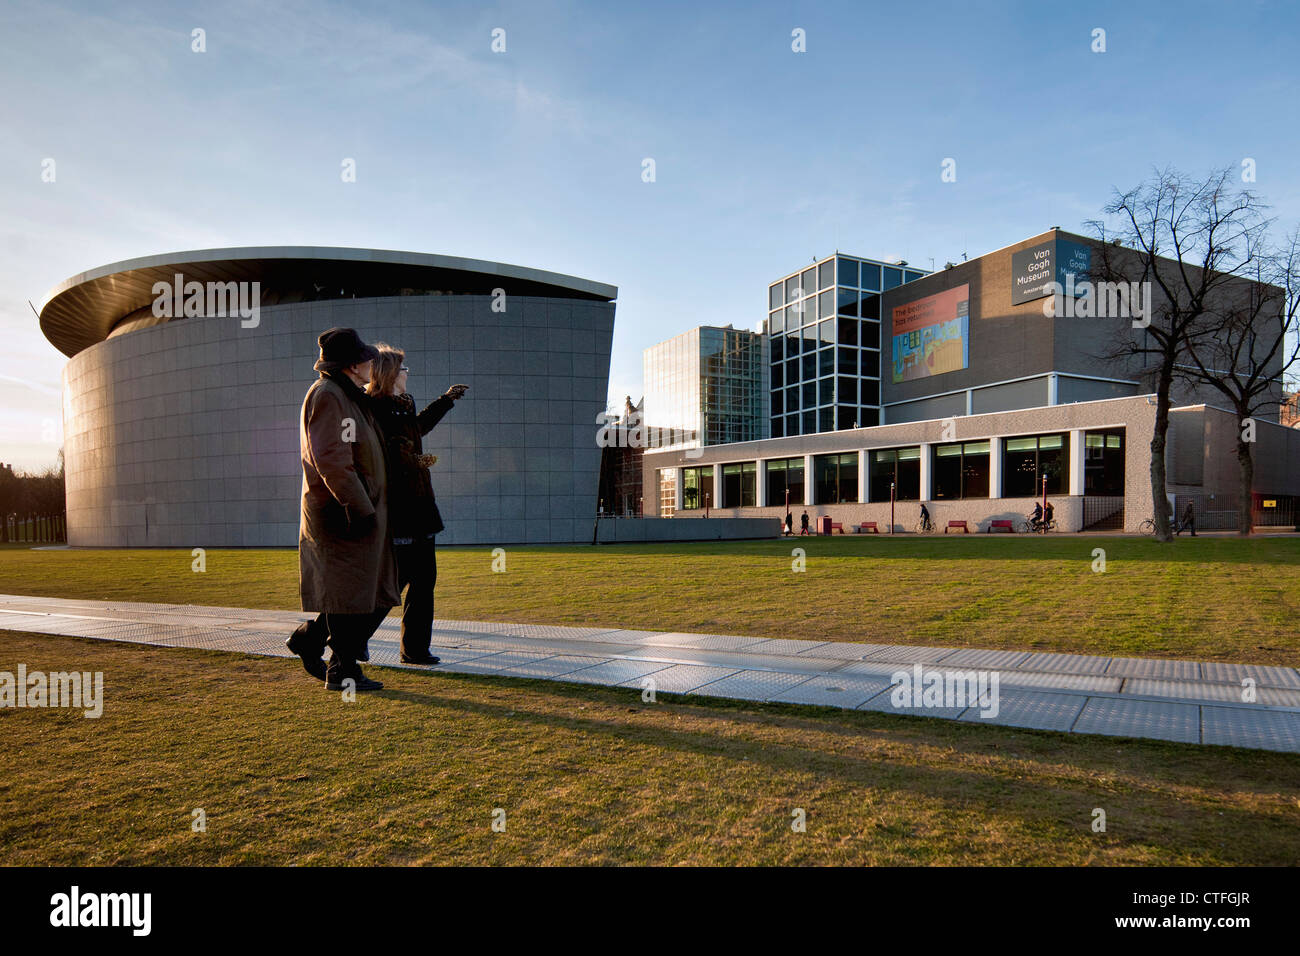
x=893, y=277
x=848, y=271
x=871, y=277
x=870, y=306
x=848, y=302
x=871, y=335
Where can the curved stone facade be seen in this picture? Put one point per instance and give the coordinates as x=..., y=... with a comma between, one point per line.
x=185, y=434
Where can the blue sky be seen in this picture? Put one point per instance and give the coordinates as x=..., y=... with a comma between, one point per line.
x=765, y=158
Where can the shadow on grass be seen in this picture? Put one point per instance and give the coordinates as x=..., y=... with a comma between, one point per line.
x=1061, y=804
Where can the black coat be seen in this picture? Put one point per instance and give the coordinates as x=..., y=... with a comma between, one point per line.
x=412, y=510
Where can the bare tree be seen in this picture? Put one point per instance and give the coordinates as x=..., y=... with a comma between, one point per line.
x=1185, y=240
x=1249, y=349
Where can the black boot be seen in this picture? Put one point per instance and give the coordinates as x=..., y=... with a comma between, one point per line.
x=424, y=658
x=342, y=670
x=308, y=642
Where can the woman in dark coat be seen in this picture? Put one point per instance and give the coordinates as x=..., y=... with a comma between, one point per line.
x=413, y=517
x=345, y=565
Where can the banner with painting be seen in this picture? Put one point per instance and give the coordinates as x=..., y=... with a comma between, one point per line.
x=932, y=335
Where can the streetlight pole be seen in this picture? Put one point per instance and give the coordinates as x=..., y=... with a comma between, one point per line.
x=891, y=507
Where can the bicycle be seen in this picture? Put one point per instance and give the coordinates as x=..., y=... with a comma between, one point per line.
x=1032, y=525
x=925, y=526
x=1147, y=527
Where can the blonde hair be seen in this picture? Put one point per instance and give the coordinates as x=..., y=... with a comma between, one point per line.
x=385, y=369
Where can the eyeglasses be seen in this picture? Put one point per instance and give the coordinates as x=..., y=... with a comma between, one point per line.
x=404, y=369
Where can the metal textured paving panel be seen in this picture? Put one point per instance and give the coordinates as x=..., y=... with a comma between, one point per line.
x=1034, y=710
x=1140, y=718
x=849, y=650
x=629, y=636
x=1063, y=682
x=884, y=702
x=791, y=647
x=453, y=655
x=1149, y=667
x=885, y=669
x=989, y=660
x=908, y=654
x=848, y=692
x=705, y=642
x=617, y=672
x=1065, y=663
x=560, y=665
x=682, y=678
x=751, y=685
x=1240, y=727
x=1185, y=689
x=1287, y=677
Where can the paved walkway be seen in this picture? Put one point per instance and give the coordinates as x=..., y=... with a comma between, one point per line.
x=1187, y=701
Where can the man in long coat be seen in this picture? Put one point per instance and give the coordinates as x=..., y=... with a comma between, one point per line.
x=346, y=568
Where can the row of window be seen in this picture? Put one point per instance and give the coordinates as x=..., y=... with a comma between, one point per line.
x=826, y=305
x=844, y=361
x=825, y=391
x=824, y=334
x=828, y=419
x=1030, y=467
x=854, y=273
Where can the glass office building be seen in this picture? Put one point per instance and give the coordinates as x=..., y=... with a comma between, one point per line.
x=823, y=323
x=707, y=386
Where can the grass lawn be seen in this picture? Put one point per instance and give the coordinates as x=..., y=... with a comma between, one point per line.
x=288, y=773
x=1208, y=598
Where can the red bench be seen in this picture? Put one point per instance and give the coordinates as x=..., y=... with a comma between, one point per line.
x=836, y=525
x=957, y=524
x=866, y=526
x=1001, y=526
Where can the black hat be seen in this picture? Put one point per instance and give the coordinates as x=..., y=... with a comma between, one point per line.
x=342, y=348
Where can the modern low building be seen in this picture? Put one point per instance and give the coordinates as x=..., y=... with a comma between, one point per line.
x=996, y=388
x=187, y=371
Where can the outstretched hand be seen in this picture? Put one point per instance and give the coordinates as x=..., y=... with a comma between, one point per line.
x=456, y=391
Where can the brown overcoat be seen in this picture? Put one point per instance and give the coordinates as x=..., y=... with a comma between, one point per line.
x=343, y=480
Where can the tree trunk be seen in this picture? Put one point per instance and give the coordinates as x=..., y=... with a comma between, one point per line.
x=1246, y=497
x=1159, y=501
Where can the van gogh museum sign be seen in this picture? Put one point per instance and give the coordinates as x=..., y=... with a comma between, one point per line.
x=1033, y=270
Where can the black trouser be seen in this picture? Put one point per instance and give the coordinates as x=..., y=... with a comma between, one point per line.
x=417, y=572
x=348, y=634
